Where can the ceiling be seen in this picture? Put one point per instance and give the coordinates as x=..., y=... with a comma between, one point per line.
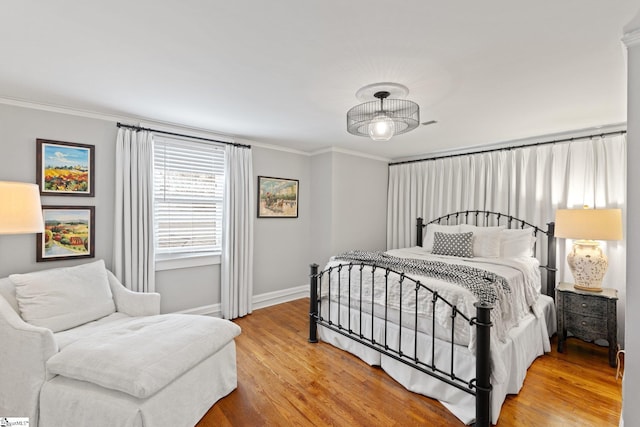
x=285, y=72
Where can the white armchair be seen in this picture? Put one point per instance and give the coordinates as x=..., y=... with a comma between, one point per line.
x=57, y=377
x=24, y=349
x=133, y=303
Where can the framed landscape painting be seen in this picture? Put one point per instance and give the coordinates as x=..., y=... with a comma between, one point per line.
x=68, y=233
x=64, y=168
x=277, y=197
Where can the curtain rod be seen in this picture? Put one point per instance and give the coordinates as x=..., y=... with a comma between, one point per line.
x=514, y=147
x=138, y=128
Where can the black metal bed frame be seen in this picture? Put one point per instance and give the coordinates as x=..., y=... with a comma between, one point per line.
x=480, y=386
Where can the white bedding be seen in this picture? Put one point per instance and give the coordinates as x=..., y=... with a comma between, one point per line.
x=521, y=304
x=522, y=274
x=141, y=355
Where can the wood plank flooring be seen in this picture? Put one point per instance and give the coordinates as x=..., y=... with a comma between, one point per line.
x=285, y=381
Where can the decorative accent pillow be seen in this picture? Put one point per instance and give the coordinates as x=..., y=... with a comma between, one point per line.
x=453, y=244
x=517, y=242
x=427, y=241
x=63, y=298
x=486, y=240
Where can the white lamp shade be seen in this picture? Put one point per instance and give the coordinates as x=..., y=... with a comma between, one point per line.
x=587, y=261
x=20, y=209
x=589, y=224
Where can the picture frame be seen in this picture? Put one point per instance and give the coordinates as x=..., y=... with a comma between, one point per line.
x=277, y=197
x=65, y=168
x=69, y=233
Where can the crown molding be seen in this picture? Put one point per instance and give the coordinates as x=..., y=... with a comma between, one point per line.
x=141, y=121
x=64, y=110
x=133, y=120
x=632, y=38
x=574, y=134
x=350, y=153
x=185, y=130
x=274, y=147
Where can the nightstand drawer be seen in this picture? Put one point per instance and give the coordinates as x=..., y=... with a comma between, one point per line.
x=586, y=326
x=596, y=307
x=587, y=315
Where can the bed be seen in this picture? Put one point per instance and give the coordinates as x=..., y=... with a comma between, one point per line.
x=459, y=317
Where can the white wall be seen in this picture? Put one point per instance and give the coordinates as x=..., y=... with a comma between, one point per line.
x=188, y=288
x=359, y=208
x=283, y=247
x=321, y=207
x=631, y=386
x=278, y=242
x=19, y=129
x=349, y=205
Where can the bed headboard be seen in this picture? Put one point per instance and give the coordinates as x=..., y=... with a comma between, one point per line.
x=487, y=218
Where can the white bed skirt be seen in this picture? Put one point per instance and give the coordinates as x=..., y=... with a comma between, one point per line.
x=525, y=343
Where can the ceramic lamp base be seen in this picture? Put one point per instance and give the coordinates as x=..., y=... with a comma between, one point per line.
x=588, y=264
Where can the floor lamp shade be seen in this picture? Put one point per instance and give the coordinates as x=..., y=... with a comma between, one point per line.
x=586, y=260
x=20, y=209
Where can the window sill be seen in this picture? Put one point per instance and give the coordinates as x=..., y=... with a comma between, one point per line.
x=175, y=261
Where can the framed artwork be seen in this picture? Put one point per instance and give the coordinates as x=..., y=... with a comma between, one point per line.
x=64, y=168
x=277, y=197
x=69, y=233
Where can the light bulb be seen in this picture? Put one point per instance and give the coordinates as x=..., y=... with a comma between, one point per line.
x=381, y=128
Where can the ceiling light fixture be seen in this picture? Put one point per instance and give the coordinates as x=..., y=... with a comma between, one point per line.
x=383, y=118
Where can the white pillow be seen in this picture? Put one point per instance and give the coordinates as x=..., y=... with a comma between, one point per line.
x=486, y=240
x=427, y=241
x=517, y=242
x=63, y=298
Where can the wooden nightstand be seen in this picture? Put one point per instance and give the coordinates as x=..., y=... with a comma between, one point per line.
x=588, y=316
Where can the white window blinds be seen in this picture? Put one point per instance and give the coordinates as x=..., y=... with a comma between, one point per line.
x=188, y=196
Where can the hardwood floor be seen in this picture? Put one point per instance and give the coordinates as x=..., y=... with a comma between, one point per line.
x=283, y=380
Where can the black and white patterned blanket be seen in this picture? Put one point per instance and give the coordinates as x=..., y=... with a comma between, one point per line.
x=485, y=285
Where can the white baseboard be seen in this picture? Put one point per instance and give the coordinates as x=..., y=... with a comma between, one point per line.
x=259, y=301
x=278, y=297
x=214, y=310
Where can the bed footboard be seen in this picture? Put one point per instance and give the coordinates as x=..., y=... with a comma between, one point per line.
x=480, y=386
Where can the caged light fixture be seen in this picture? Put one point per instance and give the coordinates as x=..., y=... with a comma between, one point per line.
x=384, y=117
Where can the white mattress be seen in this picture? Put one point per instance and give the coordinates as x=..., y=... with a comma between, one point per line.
x=524, y=342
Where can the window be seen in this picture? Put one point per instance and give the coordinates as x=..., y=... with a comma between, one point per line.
x=188, y=198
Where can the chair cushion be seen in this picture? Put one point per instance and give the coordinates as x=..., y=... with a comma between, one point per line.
x=142, y=355
x=63, y=298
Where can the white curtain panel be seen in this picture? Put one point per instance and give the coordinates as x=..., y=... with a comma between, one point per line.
x=237, y=234
x=528, y=183
x=133, y=248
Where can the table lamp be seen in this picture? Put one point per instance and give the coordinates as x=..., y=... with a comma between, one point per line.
x=20, y=209
x=587, y=262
